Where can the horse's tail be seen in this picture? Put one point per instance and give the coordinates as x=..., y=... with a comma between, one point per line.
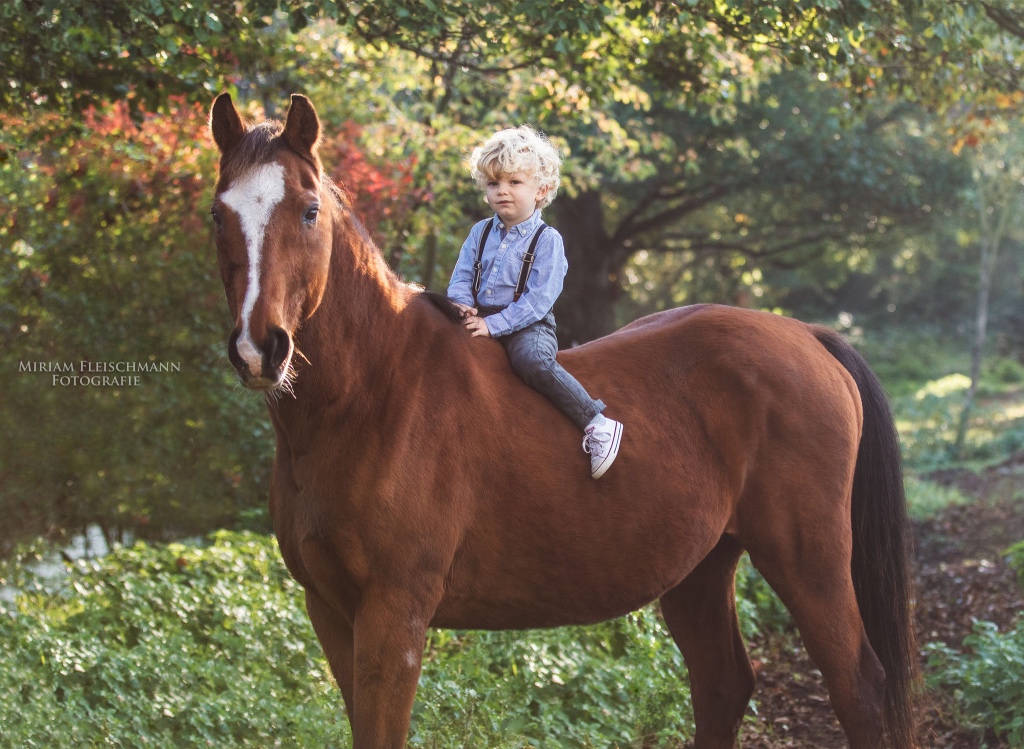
x=881, y=545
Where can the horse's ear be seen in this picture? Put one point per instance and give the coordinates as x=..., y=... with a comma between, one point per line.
x=302, y=128
x=225, y=124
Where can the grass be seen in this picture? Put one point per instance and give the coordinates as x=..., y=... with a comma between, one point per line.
x=927, y=498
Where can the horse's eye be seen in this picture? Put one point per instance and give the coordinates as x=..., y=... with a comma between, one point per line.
x=310, y=215
x=217, y=218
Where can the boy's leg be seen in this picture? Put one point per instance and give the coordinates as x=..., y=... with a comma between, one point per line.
x=531, y=351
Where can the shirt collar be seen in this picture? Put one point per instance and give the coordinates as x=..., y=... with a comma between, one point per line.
x=526, y=227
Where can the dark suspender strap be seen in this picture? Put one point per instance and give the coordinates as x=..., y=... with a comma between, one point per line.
x=478, y=268
x=524, y=272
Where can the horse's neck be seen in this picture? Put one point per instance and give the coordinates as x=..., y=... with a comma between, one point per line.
x=346, y=343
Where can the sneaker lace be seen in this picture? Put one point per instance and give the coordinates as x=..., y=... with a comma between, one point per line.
x=595, y=442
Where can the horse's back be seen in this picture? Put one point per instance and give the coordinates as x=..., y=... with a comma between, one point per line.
x=734, y=344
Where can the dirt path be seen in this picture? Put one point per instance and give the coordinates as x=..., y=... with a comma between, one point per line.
x=961, y=577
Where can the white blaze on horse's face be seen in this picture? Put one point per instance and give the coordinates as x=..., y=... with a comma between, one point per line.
x=253, y=196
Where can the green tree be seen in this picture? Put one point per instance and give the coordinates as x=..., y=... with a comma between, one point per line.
x=106, y=260
x=794, y=181
x=998, y=194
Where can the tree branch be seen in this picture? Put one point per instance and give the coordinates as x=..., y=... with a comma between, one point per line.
x=631, y=228
x=1005, y=19
x=702, y=243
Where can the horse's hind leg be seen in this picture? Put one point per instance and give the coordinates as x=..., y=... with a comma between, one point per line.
x=701, y=615
x=811, y=574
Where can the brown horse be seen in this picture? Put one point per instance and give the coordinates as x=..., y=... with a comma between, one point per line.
x=418, y=483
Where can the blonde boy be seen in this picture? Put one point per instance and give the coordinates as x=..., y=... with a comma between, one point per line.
x=510, y=273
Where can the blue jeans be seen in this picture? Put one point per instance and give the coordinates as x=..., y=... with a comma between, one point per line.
x=531, y=352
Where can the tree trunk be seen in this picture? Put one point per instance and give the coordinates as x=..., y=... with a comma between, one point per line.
x=977, y=350
x=429, y=260
x=585, y=310
x=991, y=239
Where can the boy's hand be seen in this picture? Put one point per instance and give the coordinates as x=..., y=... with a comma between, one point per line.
x=465, y=310
x=476, y=326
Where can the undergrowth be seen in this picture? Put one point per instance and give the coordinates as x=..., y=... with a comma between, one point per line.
x=986, y=677
x=209, y=645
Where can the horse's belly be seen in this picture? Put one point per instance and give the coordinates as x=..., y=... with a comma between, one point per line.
x=550, y=588
x=462, y=614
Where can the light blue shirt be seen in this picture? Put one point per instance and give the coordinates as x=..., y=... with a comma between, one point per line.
x=502, y=262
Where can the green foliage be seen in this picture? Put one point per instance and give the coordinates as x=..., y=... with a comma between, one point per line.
x=987, y=679
x=168, y=646
x=106, y=260
x=1001, y=374
x=927, y=424
x=760, y=609
x=924, y=370
x=69, y=54
x=906, y=359
x=818, y=211
x=926, y=498
x=614, y=684
x=185, y=645
x=1015, y=557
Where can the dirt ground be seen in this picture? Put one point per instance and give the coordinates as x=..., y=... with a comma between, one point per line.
x=961, y=577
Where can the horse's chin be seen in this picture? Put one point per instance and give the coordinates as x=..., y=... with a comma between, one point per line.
x=265, y=381
x=262, y=384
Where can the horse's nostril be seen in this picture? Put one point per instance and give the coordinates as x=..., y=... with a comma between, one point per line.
x=233, y=356
x=278, y=346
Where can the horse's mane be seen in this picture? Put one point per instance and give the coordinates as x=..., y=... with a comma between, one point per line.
x=444, y=304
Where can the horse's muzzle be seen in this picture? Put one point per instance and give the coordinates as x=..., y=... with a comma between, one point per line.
x=273, y=356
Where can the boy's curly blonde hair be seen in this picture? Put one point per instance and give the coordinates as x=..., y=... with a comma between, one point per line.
x=518, y=149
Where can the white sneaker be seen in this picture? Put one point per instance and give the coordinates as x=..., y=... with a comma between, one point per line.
x=601, y=440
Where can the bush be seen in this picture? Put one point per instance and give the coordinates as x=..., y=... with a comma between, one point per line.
x=926, y=498
x=209, y=645
x=987, y=679
x=927, y=422
x=1015, y=557
x=759, y=608
x=183, y=645
x=1000, y=372
x=168, y=646
x=905, y=359
x=620, y=683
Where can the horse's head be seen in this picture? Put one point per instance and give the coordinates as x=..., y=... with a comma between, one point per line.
x=273, y=239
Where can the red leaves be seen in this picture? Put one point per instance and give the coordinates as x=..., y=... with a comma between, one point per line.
x=382, y=194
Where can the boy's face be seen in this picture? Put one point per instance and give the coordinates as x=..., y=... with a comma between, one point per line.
x=514, y=197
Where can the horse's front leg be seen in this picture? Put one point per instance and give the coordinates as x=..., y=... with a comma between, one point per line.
x=389, y=635
x=335, y=636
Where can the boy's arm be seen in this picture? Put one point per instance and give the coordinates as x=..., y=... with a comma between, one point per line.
x=542, y=288
x=460, y=288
